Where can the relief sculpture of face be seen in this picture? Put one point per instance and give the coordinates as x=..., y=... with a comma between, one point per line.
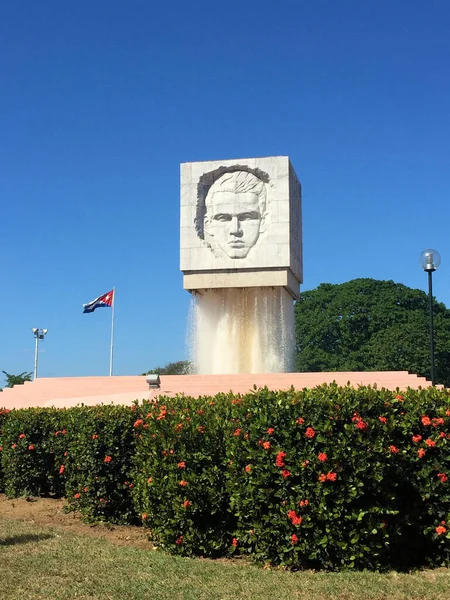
x=235, y=212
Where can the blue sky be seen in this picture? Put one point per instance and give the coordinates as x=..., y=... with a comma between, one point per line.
x=101, y=101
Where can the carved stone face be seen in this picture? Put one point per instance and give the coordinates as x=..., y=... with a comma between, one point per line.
x=233, y=221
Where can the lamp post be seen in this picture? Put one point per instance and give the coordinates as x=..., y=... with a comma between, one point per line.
x=429, y=261
x=39, y=334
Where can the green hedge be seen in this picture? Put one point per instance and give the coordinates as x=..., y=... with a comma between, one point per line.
x=98, y=466
x=83, y=453
x=3, y=415
x=324, y=478
x=180, y=487
x=32, y=452
x=331, y=477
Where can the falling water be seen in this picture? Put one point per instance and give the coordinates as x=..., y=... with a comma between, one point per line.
x=241, y=330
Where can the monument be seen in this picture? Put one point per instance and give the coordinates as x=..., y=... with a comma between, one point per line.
x=241, y=256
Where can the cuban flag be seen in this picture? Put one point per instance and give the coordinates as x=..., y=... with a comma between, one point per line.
x=105, y=300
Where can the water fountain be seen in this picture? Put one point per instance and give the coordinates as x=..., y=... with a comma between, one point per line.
x=241, y=255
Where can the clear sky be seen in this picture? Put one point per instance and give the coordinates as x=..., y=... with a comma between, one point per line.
x=101, y=101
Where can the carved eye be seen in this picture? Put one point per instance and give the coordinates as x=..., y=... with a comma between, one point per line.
x=249, y=216
x=222, y=217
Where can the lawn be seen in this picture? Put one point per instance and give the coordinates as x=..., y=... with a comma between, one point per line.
x=38, y=562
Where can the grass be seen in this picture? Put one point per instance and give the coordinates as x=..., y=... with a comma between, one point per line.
x=49, y=563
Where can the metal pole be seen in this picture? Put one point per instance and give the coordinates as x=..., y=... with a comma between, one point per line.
x=430, y=305
x=111, y=350
x=36, y=352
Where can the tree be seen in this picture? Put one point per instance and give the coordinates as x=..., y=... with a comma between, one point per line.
x=12, y=380
x=370, y=325
x=180, y=367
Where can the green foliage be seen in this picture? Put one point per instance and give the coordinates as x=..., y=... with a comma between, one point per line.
x=180, y=367
x=83, y=453
x=3, y=416
x=370, y=325
x=12, y=380
x=99, y=461
x=327, y=478
x=179, y=474
x=330, y=477
x=32, y=452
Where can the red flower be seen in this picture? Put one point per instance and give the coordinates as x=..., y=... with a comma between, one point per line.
x=332, y=476
x=234, y=542
x=438, y=421
x=421, y=452
x=285, y=473
x=150, y=479
x=187, y=504
x=144, y=516
x=248, y=468
x=279, y=461
x=294, y=539
x=107, y=459
x=305, y=463
x=382, y=419
x=266, y=445
x=322, y=456
x=300, y=420
x=310, y=433
x=21, y=436
x=393, y=449
x=443, y=477
x=237, y=432
x=295, y=518
x=31, y=447
x=271, y=430
x=138, y=423
x=77, y=495
x=303, y=503
x=416, y=438
x=95, y=436
x=440, y=529
x=183, y=483
x=14, y=446
x=426, y=421
x=447, y=412
x=62, y=468
x=181, y=465
x=179, y=541
x=430, y=443
x=360, y=424
x=63, y=432
x=442, y=434
x=399, y=398
x=322, y=477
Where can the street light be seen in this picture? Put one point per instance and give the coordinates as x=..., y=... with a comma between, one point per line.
x=39, y=334
x=429, y=261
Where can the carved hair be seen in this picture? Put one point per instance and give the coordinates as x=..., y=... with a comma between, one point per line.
x=238, y=182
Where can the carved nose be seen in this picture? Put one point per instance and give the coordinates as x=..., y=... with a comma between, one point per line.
x=235, y=227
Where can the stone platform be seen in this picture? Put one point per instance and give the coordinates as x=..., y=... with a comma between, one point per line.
x=70, y=391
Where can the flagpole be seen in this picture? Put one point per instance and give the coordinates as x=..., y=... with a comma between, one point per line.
x=111, y=350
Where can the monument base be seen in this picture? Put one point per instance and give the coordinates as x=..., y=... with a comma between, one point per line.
x=196, y=281
x=72, y=391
